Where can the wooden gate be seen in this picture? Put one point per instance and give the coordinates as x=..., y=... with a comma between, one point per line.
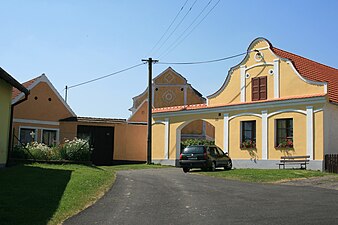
x=331, y=163
x=101, y=139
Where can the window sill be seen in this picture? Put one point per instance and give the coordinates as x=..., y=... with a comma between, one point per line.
x=248, y=148
x=284, y=148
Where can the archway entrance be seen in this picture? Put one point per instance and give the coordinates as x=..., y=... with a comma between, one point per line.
x=197, y=131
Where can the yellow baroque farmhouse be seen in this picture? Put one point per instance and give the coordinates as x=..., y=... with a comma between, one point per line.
x=273, y=103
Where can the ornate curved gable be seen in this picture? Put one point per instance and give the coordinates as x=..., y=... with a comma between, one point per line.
x=264, y=74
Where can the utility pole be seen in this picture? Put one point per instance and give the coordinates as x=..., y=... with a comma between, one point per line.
x=66, y=93
x=150, y=62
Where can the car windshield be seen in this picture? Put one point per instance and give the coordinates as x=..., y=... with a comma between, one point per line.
x=194, y=149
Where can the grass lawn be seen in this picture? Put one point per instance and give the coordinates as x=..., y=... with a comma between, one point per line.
x=48, y=194
x=264, y=176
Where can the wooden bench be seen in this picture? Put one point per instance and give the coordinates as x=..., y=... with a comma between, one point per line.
x=292, y=160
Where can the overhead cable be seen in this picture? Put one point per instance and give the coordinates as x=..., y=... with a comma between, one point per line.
x=204, y=62
x=169, y=27
x=105, y=76
x=187, y=27
x=192, y=29
x=178, y=24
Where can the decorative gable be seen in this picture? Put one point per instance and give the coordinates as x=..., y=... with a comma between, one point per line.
x=169, y=76
x=263, y=75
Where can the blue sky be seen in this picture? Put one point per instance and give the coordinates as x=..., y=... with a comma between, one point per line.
x=73, y=41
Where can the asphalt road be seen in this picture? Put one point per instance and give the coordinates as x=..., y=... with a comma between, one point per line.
x=168, y=196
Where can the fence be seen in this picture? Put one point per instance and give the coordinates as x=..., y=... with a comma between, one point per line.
x=331, y=163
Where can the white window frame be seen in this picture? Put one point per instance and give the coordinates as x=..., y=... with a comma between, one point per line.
x=54, y=129
x=28, y=127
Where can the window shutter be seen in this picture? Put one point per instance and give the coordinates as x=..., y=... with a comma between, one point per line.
x=255, y=89
x=262, y=88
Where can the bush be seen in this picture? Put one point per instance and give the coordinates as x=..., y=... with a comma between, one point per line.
x=41, y=151
x=18, y=152
x=189, y=142
x=77, y=150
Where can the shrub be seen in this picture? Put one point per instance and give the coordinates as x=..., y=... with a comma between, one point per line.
x=18, y=152
x=189, y=142
x=77, y=150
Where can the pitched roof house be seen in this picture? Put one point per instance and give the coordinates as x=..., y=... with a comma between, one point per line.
x=37, y=119
x=45, y=117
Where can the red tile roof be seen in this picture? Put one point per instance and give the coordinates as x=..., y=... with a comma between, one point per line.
x=16, y=92
x=314, y=71
x=205, y=106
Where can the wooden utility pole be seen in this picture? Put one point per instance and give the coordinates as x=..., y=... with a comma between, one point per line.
x=150, y=62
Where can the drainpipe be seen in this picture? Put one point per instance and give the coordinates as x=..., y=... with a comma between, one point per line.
x=11, y=124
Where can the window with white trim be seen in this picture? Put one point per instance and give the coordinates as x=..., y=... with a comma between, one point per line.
x=49, y=137
x=248, y=134
x=284, y=133
x=27, y=135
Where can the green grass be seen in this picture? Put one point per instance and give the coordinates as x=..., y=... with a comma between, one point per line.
x=48, y=194
x=264, y=176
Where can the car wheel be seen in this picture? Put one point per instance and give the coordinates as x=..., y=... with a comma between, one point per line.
x=228, y=166
x=213, y=166
x=186, y=170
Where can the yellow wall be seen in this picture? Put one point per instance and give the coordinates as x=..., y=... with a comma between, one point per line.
x=130, y=140
x=169, y=72
x=210, y=130
x=195, y=127
x=193, y=98
x=5, y=114
x=42, y=108
x=160, y=100
x=299, y=136
x=318, y=136
x=141, y=115
x=158, y=131
x=136, y=143
x=139, y=100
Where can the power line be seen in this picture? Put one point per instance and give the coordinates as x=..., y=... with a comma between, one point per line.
x=169, y=27
x=178, y=25
x=192, y=29
x=105, y=76
x=188, y=26
x=204, y=62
